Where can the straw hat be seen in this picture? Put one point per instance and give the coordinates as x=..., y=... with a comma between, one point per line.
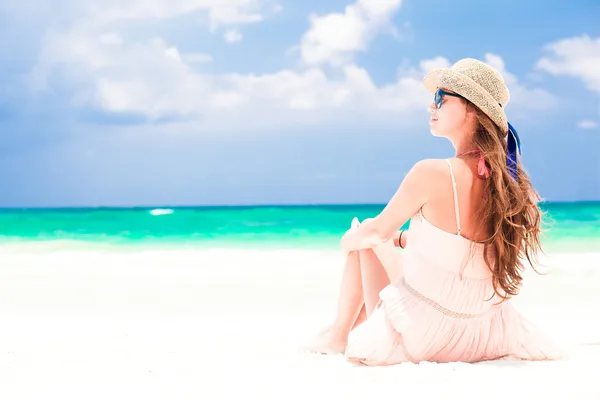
x=476, y=81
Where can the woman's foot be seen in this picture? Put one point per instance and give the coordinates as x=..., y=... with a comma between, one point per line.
x=324, y=343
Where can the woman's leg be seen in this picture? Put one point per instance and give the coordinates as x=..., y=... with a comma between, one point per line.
x=362, y=317
x=362, y=280
x=350, y=304
x=374, y=278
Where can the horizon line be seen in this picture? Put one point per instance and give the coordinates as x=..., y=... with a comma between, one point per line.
x=256, y=205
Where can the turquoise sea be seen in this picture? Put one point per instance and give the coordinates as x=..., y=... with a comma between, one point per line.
x=571, y=227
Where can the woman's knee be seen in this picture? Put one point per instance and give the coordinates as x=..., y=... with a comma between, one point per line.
x=368, y=256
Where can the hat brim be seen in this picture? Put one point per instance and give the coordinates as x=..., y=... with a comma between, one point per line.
x=450, y=80
x=432, y=79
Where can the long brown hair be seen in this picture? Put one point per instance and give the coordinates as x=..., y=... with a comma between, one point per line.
x=511, y=207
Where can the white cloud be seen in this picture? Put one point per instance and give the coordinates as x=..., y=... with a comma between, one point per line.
x=313, y=90
x=88, y=25
x=577, y=57
x=110, y=39
x=91, y=15
x=196, y=58
x=587, y=124
x=220, y=12
x=107, y=71
x=335, y=38
x=154, y=79
x=233, y=36
x=520, y=95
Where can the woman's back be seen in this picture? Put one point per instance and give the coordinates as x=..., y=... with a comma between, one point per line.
x=441, y=259
x=440, y=208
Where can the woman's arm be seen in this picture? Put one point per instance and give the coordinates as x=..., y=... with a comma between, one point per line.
x=414, y=191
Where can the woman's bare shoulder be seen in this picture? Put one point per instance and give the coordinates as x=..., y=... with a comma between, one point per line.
x=430, y=174
x=431, y=168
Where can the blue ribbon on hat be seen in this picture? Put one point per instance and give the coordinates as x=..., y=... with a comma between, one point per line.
x=513, y=146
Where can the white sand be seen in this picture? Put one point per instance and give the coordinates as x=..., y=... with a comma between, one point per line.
x=218, y=324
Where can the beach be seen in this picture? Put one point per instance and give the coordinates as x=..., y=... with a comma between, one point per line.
x=177, y=177
x=103, y=322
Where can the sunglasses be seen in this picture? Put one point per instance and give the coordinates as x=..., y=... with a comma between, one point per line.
x=439, y=96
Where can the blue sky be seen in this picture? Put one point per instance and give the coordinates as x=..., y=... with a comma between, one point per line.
x=191, y=102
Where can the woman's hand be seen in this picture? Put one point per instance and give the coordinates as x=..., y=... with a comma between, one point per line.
x=360, y=236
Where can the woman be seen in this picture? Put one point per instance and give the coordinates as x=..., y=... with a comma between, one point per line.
x=474, y=221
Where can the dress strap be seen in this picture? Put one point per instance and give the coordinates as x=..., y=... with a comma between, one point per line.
x=455, y=197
